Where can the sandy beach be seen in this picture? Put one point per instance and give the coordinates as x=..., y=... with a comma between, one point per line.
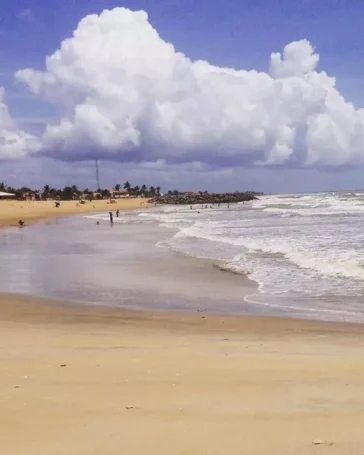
x=81, y=380
x=213, y=302
x=86, y=379
x=12, y=211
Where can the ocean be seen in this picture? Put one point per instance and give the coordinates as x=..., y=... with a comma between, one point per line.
x=299, y=255
x=305, y=251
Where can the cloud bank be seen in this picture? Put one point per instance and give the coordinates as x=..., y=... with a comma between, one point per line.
x=129, y=96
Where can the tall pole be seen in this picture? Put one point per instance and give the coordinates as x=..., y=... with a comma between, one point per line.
x=97, y=175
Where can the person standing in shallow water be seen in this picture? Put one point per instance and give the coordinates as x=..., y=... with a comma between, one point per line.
x=111, y=217
x=117, y=213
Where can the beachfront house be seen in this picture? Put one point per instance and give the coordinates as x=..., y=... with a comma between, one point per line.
x=117, y=194
x=4, y=195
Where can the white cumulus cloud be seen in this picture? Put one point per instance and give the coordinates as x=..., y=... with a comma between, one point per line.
x=14, y=142
x=128, y=95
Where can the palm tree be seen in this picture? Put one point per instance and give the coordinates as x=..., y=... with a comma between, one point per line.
x=46, y=191
x=75, y=189
x=67, y=193
x=152, y=191
x=117, y=187
x=158, y=190
x=105, y=193
x=143, y=189
x=53, y=193
x=127, y=185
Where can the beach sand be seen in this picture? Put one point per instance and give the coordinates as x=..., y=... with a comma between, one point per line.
x=93, y=380
x=12, y=211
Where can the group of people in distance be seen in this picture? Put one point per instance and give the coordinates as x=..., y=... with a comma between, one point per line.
x=112, y=216
x=211, y=206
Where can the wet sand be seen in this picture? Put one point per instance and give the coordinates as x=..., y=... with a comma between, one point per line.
x=30, y=211
x=73, y=259
x=91, y=380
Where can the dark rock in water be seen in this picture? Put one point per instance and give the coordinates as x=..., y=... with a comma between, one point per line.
x=205, y=198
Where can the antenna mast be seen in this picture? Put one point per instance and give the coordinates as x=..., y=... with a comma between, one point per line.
x=97, y=174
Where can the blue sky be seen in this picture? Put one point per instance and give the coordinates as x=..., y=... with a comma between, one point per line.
x=227, y=33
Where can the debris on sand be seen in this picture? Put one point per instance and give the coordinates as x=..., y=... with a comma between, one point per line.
x=317, y=442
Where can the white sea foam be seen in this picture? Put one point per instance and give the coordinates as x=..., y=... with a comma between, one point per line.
x=308, y=247
x=325, y=204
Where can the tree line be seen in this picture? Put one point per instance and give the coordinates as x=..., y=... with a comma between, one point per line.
x=73, y=192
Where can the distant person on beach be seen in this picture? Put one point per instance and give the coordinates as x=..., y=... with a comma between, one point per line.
x=111, y=217
x=117, y=213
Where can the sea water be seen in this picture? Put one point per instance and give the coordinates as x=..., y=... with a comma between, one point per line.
x=304, y=251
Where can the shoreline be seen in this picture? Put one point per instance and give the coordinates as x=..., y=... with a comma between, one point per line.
x=11, y=211
x=197, y=270
x=193, y=273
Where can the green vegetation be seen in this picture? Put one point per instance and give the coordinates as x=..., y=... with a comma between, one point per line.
x=73, y=192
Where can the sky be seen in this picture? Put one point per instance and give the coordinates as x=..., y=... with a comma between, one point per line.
x=224, y=95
